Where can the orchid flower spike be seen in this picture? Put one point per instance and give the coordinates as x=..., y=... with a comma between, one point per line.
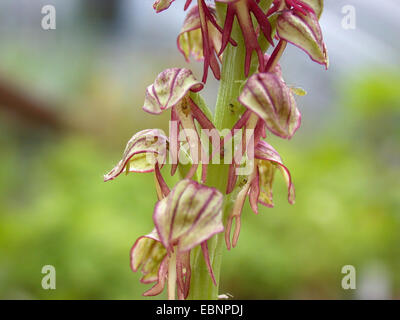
x=189, y=216
x=243, y=9
x=171, y=90
x=258, y=187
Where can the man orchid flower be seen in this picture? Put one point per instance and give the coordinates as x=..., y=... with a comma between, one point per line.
x=258, y=187
x=171, y=90
x=187, y=217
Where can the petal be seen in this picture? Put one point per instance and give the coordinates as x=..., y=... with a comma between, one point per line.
x=304, y=32
x=267, y=155
x=191, y=214
x=142, y=151
x=169, y=88
x=267, y=95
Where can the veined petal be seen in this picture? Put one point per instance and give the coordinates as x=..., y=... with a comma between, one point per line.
x=267, y=95
x=191, y=214
x=142, y=151
x=268, y=161
x=304, y=32
x=169, y=88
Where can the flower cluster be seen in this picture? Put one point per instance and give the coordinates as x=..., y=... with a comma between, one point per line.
x=192, y=212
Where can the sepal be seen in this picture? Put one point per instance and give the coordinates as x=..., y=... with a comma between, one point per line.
x=191, y=214
x=304, y=31
x=267, y=95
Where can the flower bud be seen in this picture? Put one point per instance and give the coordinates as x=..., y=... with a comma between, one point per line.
x=304, y=32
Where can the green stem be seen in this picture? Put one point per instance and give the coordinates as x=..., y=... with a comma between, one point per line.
x=227, y=111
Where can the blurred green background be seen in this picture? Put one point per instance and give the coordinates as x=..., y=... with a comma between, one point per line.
x=71, y=98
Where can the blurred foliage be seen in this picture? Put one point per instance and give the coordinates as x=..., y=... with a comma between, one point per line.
x=55, y=209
